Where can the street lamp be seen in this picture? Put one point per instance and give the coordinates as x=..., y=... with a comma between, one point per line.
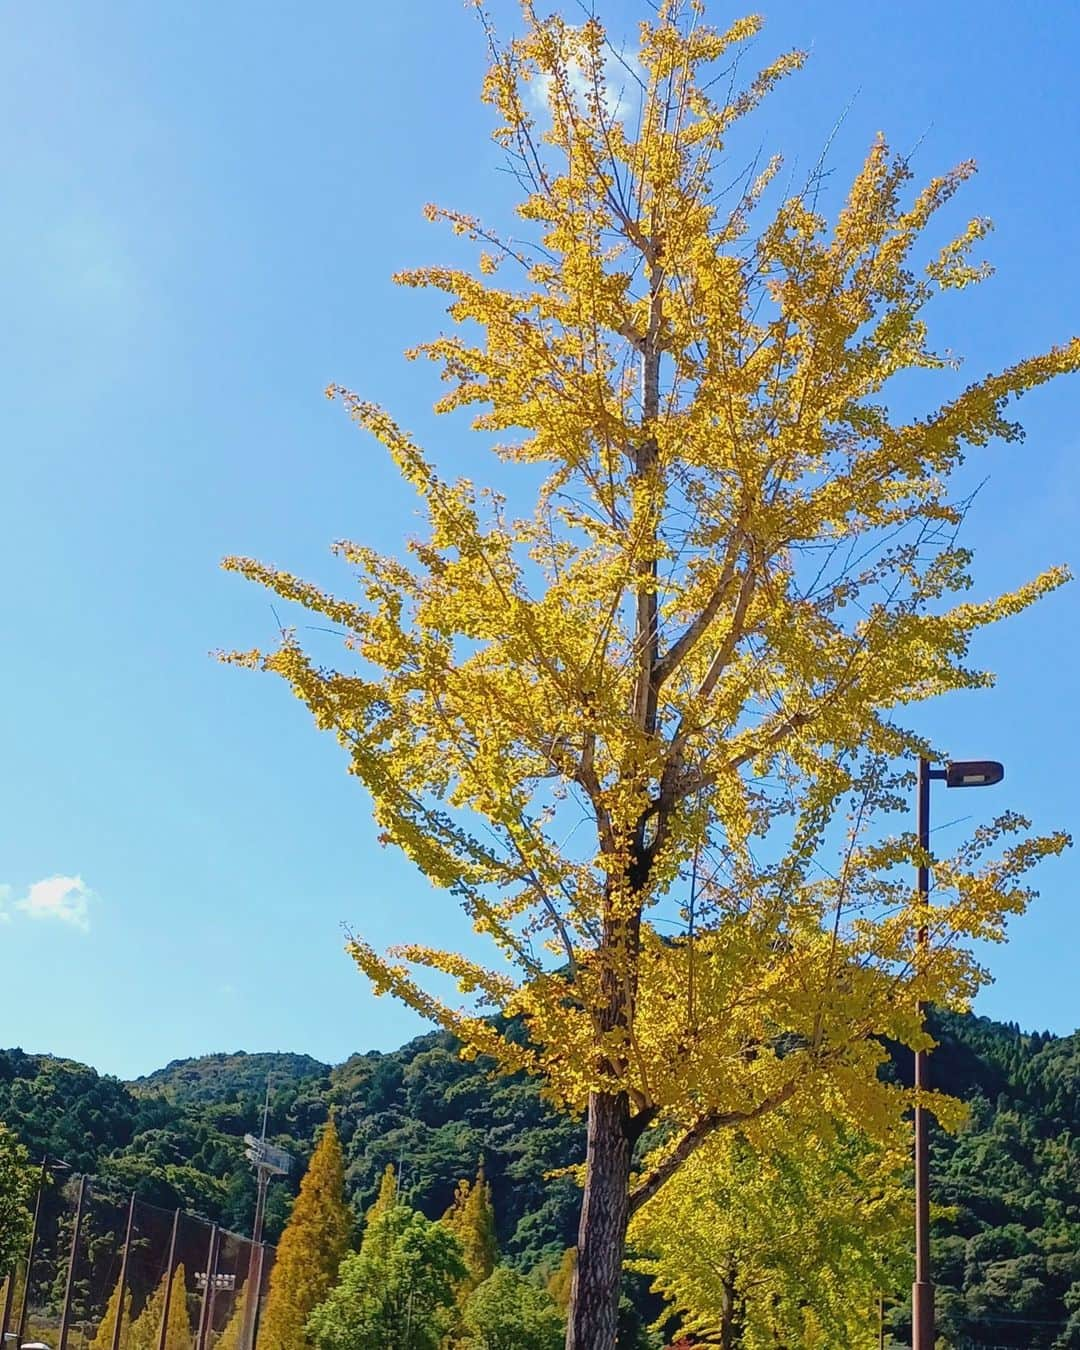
x=959, y=773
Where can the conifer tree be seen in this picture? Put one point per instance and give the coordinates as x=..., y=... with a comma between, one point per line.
x=472, y=1221
x=145, y=1330
x=311, y=1247
x=103, y=1337
x=561, y=1281
x=232, y=1336
x=386, y=1199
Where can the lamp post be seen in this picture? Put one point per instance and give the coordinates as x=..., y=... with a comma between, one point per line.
x=960, y=773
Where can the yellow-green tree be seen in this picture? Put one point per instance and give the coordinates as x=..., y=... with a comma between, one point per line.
x=386, y=1198
x=145, y=1330
x=616, y=725
x=232, y=1336
x=103, y=1337
x=789, y=1238
x=311, y=1247
x=17, y=1182
x=561, y=1280
x=472, y=1221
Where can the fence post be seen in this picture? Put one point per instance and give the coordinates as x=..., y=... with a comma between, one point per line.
x=164, y=1328
x=123, y=1274
x=65, y=1316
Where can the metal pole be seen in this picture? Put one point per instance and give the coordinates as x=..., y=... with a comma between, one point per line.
x=922, y=1291
x=257, y=1291
x=65, y=1316
x=213, y=1291
x=211, y=1262
x=24, y=1302
x=163, y=1330
x=123, y=1274
x=247, y=1340
x=881, y=1321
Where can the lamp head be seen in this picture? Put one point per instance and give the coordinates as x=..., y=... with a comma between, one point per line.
x=974, y=773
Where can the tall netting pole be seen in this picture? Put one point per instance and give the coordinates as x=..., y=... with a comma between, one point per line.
x=118, y=1326
x=256, y=1316
x=65, y=1316
x=251, y=1301
x=24, y=1302
x=211, y=1266
x=163, y=1331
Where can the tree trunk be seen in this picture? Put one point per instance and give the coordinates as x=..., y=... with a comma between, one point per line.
x=594, y=1298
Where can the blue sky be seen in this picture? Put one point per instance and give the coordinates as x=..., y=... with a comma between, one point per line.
x=203, y=207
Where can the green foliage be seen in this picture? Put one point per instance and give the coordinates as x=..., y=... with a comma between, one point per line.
x=16, y=1188
x=1006, y=1244
x=786, y=1239
x=213, y=1079
x=310, y=1250
x=398, y=1290
x=1015, y=1167
x=508, y=1312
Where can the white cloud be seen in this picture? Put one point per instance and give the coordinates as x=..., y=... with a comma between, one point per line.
x=64, y=899
x=621, y=92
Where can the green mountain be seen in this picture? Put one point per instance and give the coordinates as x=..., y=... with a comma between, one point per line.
x=1007, y=1246
x=224, y=1078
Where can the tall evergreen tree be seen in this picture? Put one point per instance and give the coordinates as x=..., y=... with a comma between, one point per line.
x=233, y=1335
x=561, y=1281
x=145, y=1330
x=103, y=1337
x=472, y=1221
x=386, y=1199
x=310, y=1250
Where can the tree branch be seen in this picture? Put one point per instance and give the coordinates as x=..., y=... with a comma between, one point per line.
x=696, y=1135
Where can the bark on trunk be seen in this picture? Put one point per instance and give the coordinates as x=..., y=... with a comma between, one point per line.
x=594, y=1299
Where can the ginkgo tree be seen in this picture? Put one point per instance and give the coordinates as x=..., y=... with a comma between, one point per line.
x=648, y=728
x=787, y=1239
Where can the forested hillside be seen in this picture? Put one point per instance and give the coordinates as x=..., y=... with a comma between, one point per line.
x=1008, y=1246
